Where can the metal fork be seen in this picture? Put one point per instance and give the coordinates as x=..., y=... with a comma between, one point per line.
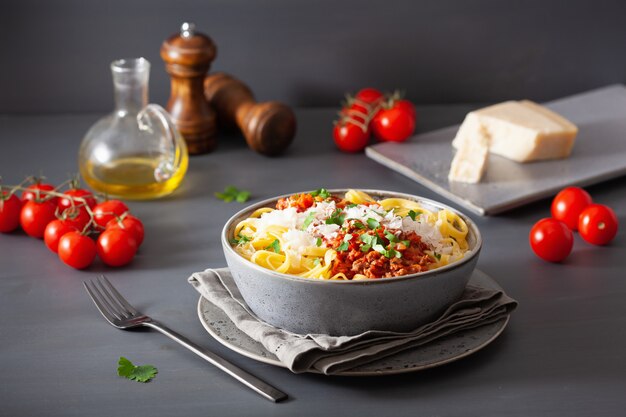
x=119, y=313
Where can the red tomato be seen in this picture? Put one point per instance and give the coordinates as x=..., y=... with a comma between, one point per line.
x=77, y=250
x=55, y=230
x=350, y=137
x=568, y=204
x=395, y=123
x=598, y=224
x=116, y=247
x=77, y=216
x=108, y=210
x=133, y=225
x=551, y=240
x=35, y=216
x=75, y=194
x=10, y=207
x=33, y=192
x=369, y=95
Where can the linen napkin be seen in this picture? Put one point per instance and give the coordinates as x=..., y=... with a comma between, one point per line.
x=332, y=354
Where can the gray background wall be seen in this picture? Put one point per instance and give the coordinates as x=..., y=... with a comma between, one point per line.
x=54, y=55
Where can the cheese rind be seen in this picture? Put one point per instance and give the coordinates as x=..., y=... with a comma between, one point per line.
x=522, y=131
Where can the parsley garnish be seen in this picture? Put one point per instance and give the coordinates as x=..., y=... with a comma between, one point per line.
x=343, y=247
x=373, y=223
x=319, y=241
x=406, y=243
x=275, y=246
x=232, y=193
x=240, y=240
x=336, y=218
x=143, y=373
x=351, y=205
x=414, y=214
x=390, y=236
x=359, y=224
x=309, y=219
x=438, y=256
x=316, y=262
x=322, y=192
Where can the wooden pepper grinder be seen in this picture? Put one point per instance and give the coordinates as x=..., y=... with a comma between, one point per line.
x=268, y=127
x=187, y=57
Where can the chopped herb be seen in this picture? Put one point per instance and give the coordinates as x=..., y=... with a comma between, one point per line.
x=319, y=241
x=351, y=205
x=336, y=218
x=322, y=192
x=275, y=246
x=316, y=262
x=240, y=240
x=143, y=373
x=366, y=248
x=438, y=256
x=391, y=237
x=232, y=193
x=414, y=214
x=359, y=224
x=343, y=247
x=406, y=243
x=373, y=223
x=309, y=219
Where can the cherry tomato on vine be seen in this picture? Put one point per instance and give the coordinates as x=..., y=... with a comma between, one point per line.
x=395, y=122
x=55, y=230
x=598, y=224
x=35, y=216
x=130, y=224
x=108, y=210
x=349, y=136
x=77, y=250
x=369, y=95
x=116, y=247
x=77, y=216
x=10, y=207
x=33, y=192
x=75, y=193
x=551, y=240
x=568, y=204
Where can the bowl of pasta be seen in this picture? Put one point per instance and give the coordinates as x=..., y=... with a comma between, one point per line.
x=342, y=262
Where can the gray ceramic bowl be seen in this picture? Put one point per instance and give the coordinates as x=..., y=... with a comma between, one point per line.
x=303, y=305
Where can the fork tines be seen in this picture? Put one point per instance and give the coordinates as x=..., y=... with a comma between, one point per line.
x=108, y=300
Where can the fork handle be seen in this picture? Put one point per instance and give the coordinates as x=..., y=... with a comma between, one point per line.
x=239, y=374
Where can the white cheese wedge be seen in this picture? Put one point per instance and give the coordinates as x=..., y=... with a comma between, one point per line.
x=520, y=130
x=470, y=161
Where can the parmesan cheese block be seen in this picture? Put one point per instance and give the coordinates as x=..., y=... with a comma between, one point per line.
x=520, y=130
x=470, y=161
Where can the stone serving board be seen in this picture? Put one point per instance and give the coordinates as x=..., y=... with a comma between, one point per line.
x=599, y=154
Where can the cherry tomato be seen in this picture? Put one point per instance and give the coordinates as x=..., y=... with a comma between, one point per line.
x=568, y=204
x=107, y=210
x=551, y=240
x=133, y=225
x=77, y=216
x=395, y=123
x=66, y=202
x=116, y=247
x=35, y=216
x=55, y=230
x=33, y=192
x=369, y=95
x=77, y=250
x=350, y=137
x=10, y=207
x=598, y=224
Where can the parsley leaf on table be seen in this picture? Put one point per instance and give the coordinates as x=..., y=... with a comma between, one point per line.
x=143, y=373
x=232, y=193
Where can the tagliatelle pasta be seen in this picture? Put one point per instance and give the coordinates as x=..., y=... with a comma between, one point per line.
x=350, y=237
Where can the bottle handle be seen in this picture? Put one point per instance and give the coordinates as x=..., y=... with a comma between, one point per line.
x=172, y=140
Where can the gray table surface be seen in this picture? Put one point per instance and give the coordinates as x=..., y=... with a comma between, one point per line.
x=562, y=354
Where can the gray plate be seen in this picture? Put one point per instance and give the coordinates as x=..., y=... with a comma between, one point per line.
x=437, y=353
x=599, y=154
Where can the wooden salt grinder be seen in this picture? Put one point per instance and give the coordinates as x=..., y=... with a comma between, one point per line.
x=187, y=57
x=268, y=127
